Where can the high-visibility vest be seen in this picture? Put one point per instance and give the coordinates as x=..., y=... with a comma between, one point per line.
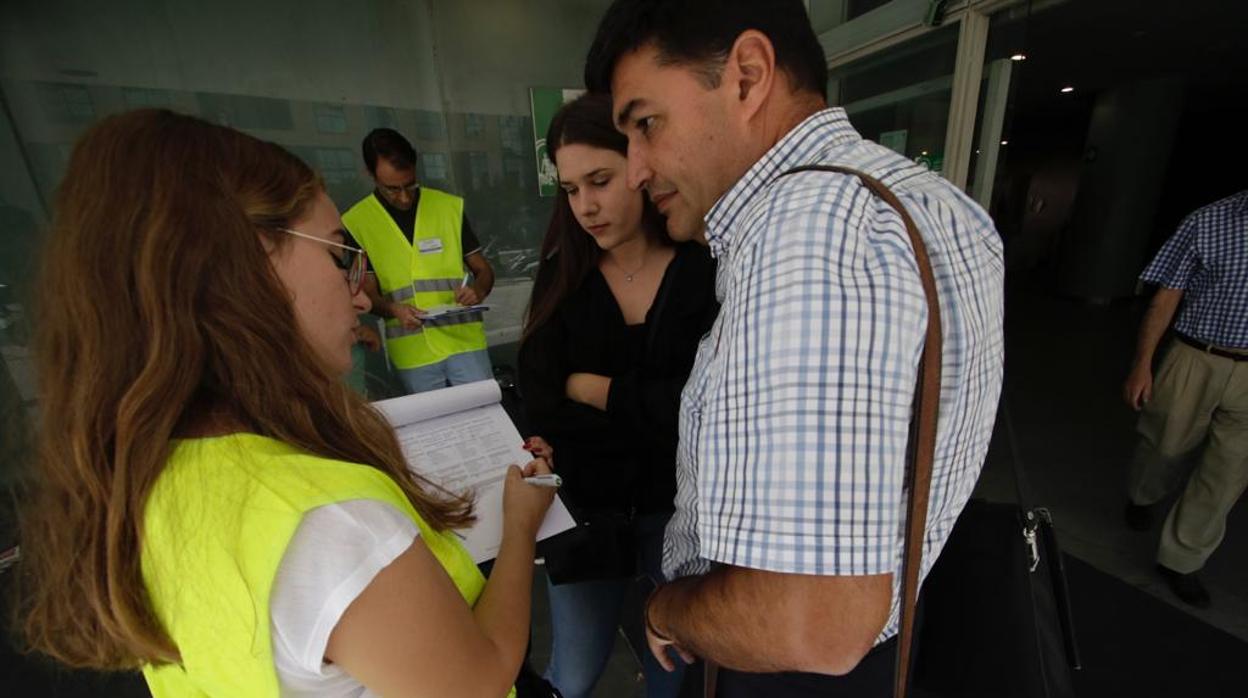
x=216, y=526
x=423, y=273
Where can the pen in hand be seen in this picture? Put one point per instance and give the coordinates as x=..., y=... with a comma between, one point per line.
x=465, y=294
x=552, y=481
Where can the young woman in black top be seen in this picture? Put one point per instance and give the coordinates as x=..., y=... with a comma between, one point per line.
x=612, y=328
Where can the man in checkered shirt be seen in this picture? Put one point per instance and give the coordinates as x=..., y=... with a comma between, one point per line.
x=786, y=541
x=1199, y=397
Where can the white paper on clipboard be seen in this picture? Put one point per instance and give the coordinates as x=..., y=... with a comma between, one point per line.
x=462, y=439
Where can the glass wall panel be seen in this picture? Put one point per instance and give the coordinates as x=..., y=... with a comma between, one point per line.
x=312, y=75
x=900, y=96
x=828, y=14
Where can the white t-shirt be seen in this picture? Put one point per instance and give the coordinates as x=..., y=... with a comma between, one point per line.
x=333, y=556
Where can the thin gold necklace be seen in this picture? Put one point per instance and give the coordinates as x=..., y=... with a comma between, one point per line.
x=627, y=275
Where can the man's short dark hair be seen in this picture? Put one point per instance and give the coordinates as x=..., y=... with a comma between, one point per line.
x=391, y=145
x=700, y=33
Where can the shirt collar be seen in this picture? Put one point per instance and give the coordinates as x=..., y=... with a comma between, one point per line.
x=800, y=146
x=1243, y=201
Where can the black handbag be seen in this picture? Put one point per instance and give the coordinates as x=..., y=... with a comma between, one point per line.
x=602, y=546
x=996, y=617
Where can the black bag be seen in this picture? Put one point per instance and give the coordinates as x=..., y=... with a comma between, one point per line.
x=996, y=618
x=602, y=546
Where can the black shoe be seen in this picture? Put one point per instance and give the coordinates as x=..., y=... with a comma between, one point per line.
x=1139, y=518
x=1187, y=587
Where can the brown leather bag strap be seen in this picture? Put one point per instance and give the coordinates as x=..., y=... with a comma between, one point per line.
x=921, y=449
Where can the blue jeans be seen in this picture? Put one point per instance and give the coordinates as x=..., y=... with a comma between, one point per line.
x=456, y=369
x=585, y=616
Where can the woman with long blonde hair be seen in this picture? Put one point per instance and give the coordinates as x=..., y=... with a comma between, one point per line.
x=212, y=505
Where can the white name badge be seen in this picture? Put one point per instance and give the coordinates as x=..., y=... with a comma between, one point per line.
x=429, y=245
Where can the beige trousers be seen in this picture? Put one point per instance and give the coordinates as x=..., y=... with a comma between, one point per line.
x=1199, y=401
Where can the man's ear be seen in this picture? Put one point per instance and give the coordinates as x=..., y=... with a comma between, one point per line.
x=750, y=71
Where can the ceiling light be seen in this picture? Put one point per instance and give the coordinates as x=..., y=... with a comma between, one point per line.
x=1067, y=89
x=1018, y=57
x=1005, y=142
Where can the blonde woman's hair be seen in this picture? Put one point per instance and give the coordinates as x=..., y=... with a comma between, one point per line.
x=159, y=307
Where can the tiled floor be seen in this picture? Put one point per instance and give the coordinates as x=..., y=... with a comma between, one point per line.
x=1065, y=364
x=622, y=676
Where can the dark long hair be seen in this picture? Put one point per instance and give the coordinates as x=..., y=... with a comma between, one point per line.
x=568, y=252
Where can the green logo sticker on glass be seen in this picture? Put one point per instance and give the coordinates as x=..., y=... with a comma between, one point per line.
x=544, y=102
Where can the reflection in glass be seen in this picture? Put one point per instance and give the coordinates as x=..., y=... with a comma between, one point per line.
x=900, y=96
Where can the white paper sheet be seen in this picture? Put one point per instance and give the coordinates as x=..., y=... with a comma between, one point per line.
x=440, y=311
x=462, y=439
x=410, y=409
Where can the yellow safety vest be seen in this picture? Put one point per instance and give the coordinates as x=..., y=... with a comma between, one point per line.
x=216, y=526
x=424, y=273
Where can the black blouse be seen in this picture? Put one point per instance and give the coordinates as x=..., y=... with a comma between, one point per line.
x=623, y=458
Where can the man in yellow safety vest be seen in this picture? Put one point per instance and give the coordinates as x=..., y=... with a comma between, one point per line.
x=419, y=246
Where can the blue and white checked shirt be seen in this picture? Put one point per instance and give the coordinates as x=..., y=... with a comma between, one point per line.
x=794, y=422
x=1207, y=257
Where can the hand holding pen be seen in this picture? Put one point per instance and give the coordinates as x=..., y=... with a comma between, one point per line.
x=525, y=505
x=552, y=481
x=465, y=294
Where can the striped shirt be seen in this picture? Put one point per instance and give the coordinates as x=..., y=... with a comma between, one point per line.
x=1207, y=258
x=794, y=422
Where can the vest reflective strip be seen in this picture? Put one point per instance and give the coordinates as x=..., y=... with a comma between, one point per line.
x=456, y=319
x=423, y=286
